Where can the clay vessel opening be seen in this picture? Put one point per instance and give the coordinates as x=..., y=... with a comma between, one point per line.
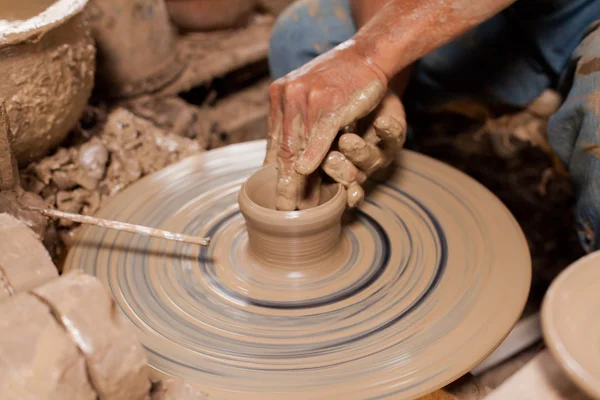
x=290, y=239
x=21, y=10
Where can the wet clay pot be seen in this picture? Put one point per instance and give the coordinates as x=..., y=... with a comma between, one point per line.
x=47, y=61
x=290, y=238
x=136, y=42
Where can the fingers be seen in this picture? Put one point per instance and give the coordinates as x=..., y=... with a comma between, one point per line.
x=311, y=195
x=392, y=134
x=365, y=156
x=340, y=169
x=290, y=184
x=326, y=127
x=321, y=137
x=275, y=123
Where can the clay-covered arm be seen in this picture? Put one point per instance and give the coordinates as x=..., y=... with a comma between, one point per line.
x=362, y=12
x=403, y=31
x=310, y=105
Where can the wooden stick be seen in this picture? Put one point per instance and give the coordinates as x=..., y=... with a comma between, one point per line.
x=122, y=226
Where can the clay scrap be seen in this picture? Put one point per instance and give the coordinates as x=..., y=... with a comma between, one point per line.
x=82, y=178
x=24, y=262
x=9, y=170
x=176, y=389
x=38, y=359
x=116, y=362
x=46, y=82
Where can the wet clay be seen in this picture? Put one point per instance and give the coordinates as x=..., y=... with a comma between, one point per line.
x=18, y=202
x=46, y=84
x=428, y=256
x=22, y=10
x=137, y=51
x=569, y=323
x=38, y=359
x=176, y=389
x=24, y=262
x=290, y=238
x=116, y=363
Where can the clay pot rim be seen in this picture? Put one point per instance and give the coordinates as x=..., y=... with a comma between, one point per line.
x=333, y=205
x=55, y=15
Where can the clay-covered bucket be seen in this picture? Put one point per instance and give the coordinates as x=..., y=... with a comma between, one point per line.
x=47, y=61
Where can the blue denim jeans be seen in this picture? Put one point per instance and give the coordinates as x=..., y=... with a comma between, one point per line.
x=509, y=59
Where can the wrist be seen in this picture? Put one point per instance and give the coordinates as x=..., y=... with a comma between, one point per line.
x=382, y=56
x=361, y=49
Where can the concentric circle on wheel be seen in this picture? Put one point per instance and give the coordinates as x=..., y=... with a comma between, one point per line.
x=435, y=273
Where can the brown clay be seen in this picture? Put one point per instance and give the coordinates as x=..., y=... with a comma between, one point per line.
x=37, y=358
x=207, y=15
x=137, y=51
x=48, y=74
x=22, y=10
x=116, y=363
x=176, y=389
x=9, y=170
x=290, y=239
x=82, y=178
x=24, y=262
x=18, y=202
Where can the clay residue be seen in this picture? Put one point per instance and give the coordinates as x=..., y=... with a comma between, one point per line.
x=176, y=389
x=80, y=179
x=43, y=362
x=20, y=10
x=46, y=84
x=18, y=203
x=116, y=363
x=24, y=262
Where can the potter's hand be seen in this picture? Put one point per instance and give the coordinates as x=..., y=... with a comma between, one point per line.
x=573, y=133
x=358, y=157
x=308, y=108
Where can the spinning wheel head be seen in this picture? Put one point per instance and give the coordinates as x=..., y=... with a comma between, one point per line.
x=423, y=281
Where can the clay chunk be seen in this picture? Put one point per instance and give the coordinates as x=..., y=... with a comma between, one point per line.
x=37, y=358
x=176, y=389
x=24, y=261
x=116, y=362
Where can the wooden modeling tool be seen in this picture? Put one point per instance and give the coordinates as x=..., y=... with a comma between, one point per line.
x=125, y=227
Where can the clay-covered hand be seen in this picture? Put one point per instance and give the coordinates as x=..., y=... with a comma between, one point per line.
x=573, y=134
x=359, y=157
x=309, y=107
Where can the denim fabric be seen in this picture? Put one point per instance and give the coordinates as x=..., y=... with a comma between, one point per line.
x=573, y=132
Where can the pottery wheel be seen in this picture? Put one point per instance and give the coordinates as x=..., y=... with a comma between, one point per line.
x=434, y=273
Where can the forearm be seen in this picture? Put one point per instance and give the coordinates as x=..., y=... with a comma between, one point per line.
x=402, y=31
x=362, y=12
